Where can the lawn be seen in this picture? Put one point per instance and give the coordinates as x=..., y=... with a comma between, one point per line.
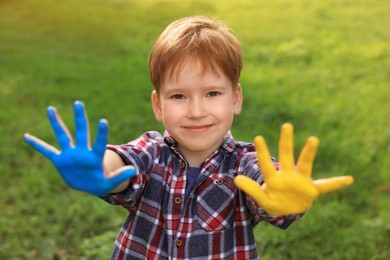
x=322, y=65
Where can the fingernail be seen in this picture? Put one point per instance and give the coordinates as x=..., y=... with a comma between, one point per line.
x=103, y=121
x=51, y=111
x=288, y=126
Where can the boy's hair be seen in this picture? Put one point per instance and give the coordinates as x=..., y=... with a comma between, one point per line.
x=195, y=39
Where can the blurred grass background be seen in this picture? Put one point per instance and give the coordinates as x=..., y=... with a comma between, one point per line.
x=322, y=65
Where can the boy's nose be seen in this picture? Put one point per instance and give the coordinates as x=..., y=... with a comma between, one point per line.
x=196, y=108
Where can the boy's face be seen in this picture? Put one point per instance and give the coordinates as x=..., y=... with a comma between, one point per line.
x=197, y=109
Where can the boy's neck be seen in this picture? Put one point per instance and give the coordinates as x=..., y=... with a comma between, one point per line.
x=195, y=159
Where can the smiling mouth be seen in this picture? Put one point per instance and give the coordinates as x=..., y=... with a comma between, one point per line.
x=198, y=128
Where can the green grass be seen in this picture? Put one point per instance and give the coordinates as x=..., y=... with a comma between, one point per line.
x=322, y=65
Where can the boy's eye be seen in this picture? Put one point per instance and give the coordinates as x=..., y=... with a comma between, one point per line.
x=177, y=96
x=213, y=94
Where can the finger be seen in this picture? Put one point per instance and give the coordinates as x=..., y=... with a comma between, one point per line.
x=253, y=189
x=82, y=125
x=286, y=148
x=306, y=158
x=266, y=166
x=40, y=146
x=331, y=184
x=61, y=131
x=99, y=147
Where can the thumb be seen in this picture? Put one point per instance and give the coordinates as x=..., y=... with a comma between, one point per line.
x=253, y=189
x=122, y=174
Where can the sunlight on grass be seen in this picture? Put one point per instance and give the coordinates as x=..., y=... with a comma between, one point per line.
x=321, y=65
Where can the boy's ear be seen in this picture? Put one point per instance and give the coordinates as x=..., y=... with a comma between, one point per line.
x=156, y=106
x=237, y=102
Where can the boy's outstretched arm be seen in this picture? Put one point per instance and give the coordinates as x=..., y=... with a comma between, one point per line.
x=290, y=190
x=79, y=164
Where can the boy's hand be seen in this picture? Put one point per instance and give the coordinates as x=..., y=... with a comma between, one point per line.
x=291, y=189
x=80, y=166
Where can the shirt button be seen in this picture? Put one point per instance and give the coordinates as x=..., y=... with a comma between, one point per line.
x=177, y=200
x=179, y=242
x=182, y=165
x=220, y=181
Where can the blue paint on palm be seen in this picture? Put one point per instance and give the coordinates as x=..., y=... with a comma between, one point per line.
x=80, y=165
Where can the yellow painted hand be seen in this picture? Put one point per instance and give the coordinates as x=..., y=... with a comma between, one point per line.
x=290, y=190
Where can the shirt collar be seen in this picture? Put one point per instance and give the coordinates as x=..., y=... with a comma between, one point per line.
x=169, y=139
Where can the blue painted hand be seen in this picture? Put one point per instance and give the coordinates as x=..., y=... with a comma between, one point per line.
x=80, y=165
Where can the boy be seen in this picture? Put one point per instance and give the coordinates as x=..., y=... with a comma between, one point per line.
x=181, y=187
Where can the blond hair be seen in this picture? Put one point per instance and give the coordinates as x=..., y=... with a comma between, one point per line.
x=195, y=38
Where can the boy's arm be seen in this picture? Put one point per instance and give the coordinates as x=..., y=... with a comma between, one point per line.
x=291, y=189
x=80, y=164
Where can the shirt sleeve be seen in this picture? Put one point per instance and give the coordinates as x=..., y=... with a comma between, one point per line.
x=252, y=170
x=140, y=153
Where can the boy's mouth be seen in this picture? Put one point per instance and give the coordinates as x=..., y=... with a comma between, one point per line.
x=198, y=128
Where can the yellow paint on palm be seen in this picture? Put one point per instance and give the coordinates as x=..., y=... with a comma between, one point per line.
x=291, y=189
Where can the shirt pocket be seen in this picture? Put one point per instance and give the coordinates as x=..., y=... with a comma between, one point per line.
x=215, y=205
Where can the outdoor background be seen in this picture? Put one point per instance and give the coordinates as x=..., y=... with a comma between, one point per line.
x=322, y=65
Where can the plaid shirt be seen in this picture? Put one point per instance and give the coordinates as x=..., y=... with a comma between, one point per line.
x=216, y=220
